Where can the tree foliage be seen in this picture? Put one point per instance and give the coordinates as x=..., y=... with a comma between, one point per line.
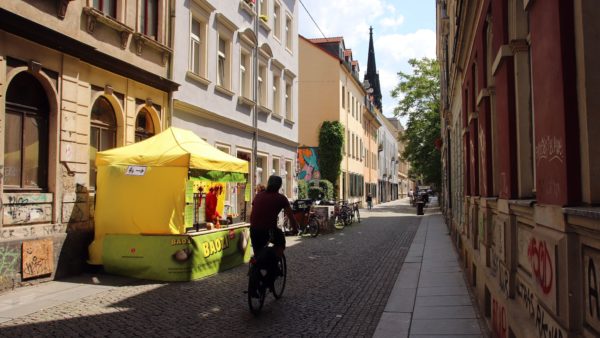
x=418, y=97
x=331, y=141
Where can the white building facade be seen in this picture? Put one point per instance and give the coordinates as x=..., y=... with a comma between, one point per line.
x=388, y=160
x=220, y=58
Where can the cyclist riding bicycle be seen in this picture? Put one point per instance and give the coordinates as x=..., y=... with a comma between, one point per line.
x=263, y=227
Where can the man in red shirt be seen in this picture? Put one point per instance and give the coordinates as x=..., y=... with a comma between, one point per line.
x=263, y=222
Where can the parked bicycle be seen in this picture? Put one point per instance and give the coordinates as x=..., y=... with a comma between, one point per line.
x=308, y=221
x=355, y=212
x=257, y=281
x=342, y=214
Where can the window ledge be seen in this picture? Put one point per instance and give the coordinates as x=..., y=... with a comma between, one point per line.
x=95, y=16
x=198, y=78
x=248, y=8
x=264, y=110
x=289, y=122
x=245, y=101
x=588, y=212
x=289, y=50
x=224, y=91
x=143, y=40
x=276, y=116
x=264, y=25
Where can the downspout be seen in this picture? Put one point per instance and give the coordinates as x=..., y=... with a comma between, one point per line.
x=255, y=108
x=169, y=117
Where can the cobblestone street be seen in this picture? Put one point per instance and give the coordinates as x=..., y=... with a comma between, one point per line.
x=338, y=286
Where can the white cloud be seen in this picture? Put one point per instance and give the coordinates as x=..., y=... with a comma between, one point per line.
x=401, y=47
x=392, y=22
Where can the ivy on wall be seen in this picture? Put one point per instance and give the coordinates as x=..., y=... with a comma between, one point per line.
x=331, y=141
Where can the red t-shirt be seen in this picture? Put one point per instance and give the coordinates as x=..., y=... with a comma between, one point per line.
x=265, y=208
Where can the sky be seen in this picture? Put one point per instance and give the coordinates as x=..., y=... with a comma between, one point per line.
x=402, y=29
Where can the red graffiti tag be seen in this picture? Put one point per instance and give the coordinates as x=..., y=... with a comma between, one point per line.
x=541, y=263
x=498, y=319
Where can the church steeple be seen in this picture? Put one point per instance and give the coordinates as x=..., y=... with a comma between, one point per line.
x=372, y=75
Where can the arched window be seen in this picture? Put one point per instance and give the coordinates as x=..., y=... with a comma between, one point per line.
x=26, y=135
x=144, y=128
x=103, y=133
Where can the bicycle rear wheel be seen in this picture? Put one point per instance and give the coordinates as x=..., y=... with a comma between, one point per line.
x=313, y=227
x=256, y=291
x=279, y=283
x=346, y=218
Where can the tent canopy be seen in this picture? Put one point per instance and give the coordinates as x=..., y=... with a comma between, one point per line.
x=154, y=202
x=174, y=147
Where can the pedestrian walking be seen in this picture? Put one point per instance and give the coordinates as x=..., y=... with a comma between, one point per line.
x=370, y=201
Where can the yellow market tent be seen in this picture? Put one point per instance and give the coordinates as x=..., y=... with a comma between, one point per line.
x=141, y=187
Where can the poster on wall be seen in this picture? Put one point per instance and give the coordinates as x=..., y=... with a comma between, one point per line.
x=38, y=258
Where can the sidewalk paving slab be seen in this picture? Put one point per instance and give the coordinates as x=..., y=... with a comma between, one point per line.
x=430, y=297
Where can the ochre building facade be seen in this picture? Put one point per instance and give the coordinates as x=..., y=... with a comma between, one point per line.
x=76, y=77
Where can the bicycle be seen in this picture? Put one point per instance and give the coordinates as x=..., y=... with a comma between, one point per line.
x=342, y=214
x=308, y=220
x=257, y=285
x=355, y=212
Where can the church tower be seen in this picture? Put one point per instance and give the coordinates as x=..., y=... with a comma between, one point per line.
x=372, y=75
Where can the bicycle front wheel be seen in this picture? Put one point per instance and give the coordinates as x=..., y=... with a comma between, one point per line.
x=256, y=292
x=279, y=283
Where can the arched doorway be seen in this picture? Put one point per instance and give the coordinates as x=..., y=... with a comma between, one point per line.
x=144, y=128
x=26, y=135
x=103, y=133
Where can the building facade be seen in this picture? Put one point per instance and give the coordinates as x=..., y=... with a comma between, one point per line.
x=76, y=77
x=237, y=62
x=520, y=99
x=330, y=91
x=388, y=165
x=404, y=183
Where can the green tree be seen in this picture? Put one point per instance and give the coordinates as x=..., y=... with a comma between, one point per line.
x=331, y=141
x=418, y=97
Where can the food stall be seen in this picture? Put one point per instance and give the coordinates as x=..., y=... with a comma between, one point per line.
x=151, y=198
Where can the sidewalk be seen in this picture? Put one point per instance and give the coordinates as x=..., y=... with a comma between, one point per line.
x=430, y=297
x=30, y=299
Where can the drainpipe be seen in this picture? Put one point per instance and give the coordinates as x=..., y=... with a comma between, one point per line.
x=255, y=107
x=169, y=117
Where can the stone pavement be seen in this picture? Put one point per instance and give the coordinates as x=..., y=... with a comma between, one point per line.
x=325, y=297
x=430, y=297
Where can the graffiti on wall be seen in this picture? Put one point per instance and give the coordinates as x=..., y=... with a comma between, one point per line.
x=308, y=166
x=498, y=240
x=523, y=237
x=499, y=323
x=591, y=273
x=550, y=148
x=542, y=264
x=38, y=258
x=503, y=280
x=9, y=257
x=31, y=231
x=27, y=208
x=546, y=326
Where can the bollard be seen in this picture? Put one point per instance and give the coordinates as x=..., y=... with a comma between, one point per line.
x=420, y=206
